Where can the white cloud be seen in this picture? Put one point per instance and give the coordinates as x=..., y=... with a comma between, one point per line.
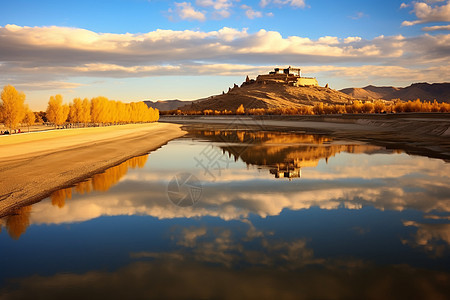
x=48, y=85
x=404, y=5
x=53, y=54
x=428, y=13
x=220, y=8
x=250, y=13
x=292, y=3
x=221, y=14
x=264, y=3
x=329, y=40
x=437, y=27
x=186, y=12
x=217, y=4
x=352, y=39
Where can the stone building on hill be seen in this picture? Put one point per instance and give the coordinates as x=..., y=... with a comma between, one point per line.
x=290, y=76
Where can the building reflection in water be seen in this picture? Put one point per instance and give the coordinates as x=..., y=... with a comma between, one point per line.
x=283, y=153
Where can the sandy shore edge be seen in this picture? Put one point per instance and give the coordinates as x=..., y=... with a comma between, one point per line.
x=33, y=165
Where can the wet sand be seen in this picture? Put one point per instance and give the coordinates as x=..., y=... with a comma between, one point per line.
x=426, y=134
x=34, y=164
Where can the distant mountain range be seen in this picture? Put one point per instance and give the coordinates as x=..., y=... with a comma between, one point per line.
x=163, y=105
x=279, y=95
x=422, y=91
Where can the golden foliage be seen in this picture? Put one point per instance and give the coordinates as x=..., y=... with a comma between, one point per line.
x=29, y=117
x=12, y=107
x=99, y=110
x=85, y=113
x=99, y=182
x=57, y=113
x=240, y=110
x=18, y=223
x=320, y=108
x=116, y=112
x=59, y=197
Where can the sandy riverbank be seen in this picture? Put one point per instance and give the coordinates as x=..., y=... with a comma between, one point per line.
x=34, y=164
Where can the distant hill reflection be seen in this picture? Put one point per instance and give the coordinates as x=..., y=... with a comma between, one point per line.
x=284, y=154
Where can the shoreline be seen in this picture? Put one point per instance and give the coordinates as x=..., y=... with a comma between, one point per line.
x=32, y=166
x=425, y=134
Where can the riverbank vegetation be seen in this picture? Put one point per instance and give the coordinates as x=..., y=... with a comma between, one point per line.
x=357, y=107
x=79, y=113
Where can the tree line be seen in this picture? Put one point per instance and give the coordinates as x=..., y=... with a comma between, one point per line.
x=98, y=110
x=357, y=107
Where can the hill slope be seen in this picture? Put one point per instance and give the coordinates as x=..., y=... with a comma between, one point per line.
x=423, y=91
x=273, y=95
x=163, y=105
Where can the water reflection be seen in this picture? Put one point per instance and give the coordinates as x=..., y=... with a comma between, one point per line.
x=169, y=279
x=335, y=174
x=432, y=238
x=363, y=221
x=19, y=220
x=101, y=182
x=284, y=154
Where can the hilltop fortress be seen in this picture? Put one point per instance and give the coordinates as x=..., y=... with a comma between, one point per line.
x=280, y=88
x=290, y=76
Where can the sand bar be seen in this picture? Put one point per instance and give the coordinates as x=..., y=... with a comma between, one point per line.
x=34, y=164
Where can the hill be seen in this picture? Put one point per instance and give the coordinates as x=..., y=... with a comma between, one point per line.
x=163, y=105
x=270, y=95
x=423, y=91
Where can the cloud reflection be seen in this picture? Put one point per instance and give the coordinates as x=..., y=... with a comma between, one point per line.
x=346, y=174
x=432, y=238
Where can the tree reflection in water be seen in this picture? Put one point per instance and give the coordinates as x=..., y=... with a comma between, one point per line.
x=18, y=222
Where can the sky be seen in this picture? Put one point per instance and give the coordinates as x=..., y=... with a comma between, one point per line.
x=133, y=50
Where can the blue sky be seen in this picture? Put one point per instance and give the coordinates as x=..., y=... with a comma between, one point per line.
x=134, y=50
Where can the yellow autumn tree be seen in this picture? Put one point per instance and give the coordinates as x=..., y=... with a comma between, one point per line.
x=367, y=108
x=85, y=113
x=75, y=110
x=99, y=109
x=12, y=106
x=57, y=113
x=240, y=110
x=318, y=108
x=29, y=118
x=378, y=107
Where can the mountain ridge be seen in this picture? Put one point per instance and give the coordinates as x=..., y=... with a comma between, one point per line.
x=276, y=95
x=421, y=90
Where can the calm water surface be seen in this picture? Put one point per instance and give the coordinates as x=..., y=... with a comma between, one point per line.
x=240, y=214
